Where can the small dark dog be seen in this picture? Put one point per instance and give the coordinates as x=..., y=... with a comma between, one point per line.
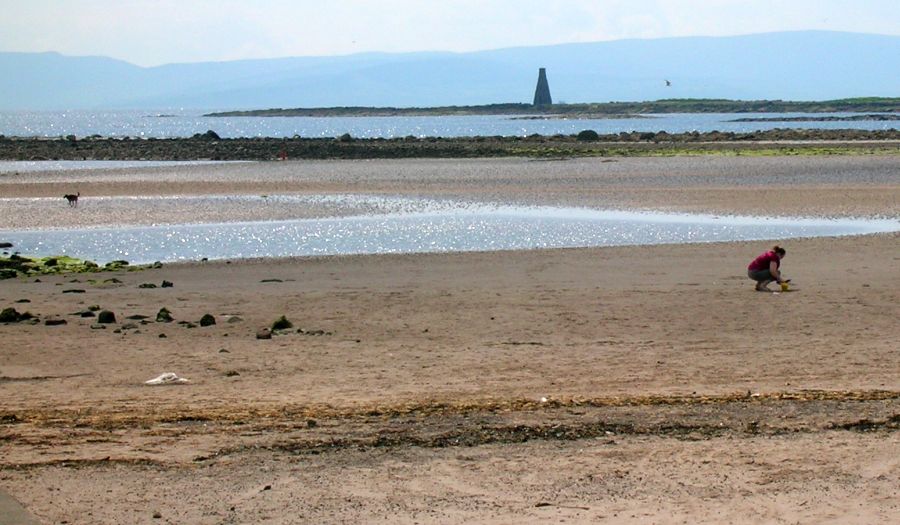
x=73, y=199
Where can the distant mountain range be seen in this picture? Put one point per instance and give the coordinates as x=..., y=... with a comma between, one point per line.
x=803, y=66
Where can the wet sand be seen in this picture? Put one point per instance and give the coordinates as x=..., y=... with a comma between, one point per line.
x=807, y=185
x=619, y=385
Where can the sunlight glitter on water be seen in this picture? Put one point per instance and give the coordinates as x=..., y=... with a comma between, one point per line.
x=406, y=225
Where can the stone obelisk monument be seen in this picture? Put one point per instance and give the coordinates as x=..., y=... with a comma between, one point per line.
x=542, y=91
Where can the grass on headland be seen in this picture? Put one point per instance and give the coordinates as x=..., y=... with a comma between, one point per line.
x=674, y=105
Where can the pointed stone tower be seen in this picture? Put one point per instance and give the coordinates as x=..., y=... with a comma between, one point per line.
x=542, y=91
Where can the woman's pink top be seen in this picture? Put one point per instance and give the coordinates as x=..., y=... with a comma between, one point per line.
x=762, y=262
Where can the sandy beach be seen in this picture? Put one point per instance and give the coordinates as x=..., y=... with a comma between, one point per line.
x=642, y=384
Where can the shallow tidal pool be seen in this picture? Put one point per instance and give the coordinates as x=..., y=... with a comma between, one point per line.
x=422, y=226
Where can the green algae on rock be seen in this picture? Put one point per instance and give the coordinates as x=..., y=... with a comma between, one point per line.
x=19, y=265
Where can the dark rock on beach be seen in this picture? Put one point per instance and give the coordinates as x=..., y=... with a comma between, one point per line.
x=209, y=135
x=588, y=135
x=207, y=320
x=13, y=265
x=282, y=324
x=9, y=315
x=164, y=316
x=116, y=265
x=106, y=317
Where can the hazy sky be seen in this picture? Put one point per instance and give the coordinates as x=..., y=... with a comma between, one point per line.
x=153, y=32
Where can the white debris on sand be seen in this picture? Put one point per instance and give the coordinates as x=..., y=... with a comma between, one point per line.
x=167, y=378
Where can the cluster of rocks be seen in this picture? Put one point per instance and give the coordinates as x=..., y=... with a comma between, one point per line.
x=209, y=146
x=16, y=265
x=164, y=284
x=283, y=326
x=105, y=317
x=11, y=315
x=165, y=316
x=102, y=317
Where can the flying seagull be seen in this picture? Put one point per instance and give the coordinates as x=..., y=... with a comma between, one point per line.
x=668, y=83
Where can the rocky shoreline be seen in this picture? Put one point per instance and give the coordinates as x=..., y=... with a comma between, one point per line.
x=210, y=146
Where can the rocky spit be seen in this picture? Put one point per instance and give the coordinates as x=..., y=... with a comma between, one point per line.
x=210, y=146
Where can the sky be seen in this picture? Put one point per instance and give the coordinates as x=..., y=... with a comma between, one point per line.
x=155, y=32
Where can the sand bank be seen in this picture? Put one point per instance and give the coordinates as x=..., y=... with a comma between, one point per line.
x=834, y=186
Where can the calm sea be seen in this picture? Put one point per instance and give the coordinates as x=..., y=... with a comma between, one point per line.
x=180, y=123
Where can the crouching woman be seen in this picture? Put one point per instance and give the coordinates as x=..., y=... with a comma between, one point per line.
x=767, y=268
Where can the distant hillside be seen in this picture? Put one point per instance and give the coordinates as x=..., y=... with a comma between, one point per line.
x=798, y=66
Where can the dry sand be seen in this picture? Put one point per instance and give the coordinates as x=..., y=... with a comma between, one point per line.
x=615, y=385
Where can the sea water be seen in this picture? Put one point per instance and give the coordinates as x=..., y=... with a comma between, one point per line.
x=423, y=226
x=183, y=123
x=30, y=166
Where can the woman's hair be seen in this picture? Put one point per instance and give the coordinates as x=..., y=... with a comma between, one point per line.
x=779, y=250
